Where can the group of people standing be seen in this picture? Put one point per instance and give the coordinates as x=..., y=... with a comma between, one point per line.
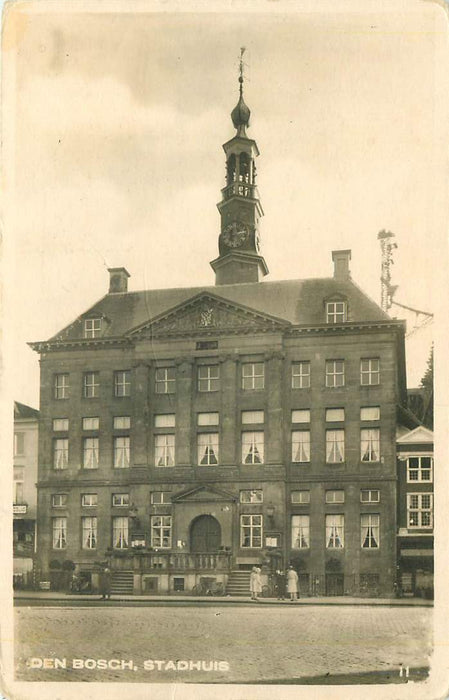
x=286, y=583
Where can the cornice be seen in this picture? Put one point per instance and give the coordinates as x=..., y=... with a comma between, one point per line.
x=77, y=343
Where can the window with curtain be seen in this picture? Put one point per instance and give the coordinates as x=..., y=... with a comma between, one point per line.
x=164, y=450
x=301, y=446
x=207, y=449
x=121, y=452
x=89, y=528
x=335, y=446
x=370, y=530
x=59, y=533
x=90, y=453
x=300, y=531
x=252, y=447
x=370, y=445
x=60, y=453
x=120, y=532
x=335, y=531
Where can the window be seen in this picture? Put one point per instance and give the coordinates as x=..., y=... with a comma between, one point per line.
x=89, y=499
x=370, y=413
x=253, y=375
x=60, y=424
x=91, y=423
x=158, y=498
x=207, y=449
x=251, y=531
x=122, y=422
x=334, y=415
x=120, y=499
x=251, y=417
x=178, y=583
x=120, y=532
x=122, y=383
x=252, y=447
x=335, y=373
x=60, y=453
x=59, y=533
x=161, y=529
x=121, y=452
x=208, y=378
x=208, y=419
x=89, y=528
x=165, y=420
x=370, y=371
x=419, y=468
x=19, y=444
x=335, y=496
x=300, y=531
x=301, y=415
x=336, y=311
x=370, y=445
x=59, y=500
x=90, y=453
x=92, y=327
x=18, y=492
x=165, y=380
x=370, y=529
x=251, y=496
x=335, y=531
x=301, y=446
x=335, y=446
x=300, y=375
x=300, y=497
x=91, y=385
x=419, y=509
x=61, y=386
x=369, y=496
x=164, y=450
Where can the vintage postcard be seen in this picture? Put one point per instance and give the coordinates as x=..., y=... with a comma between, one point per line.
x=224, y=274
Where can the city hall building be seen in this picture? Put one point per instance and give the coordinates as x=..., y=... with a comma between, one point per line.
x=189, y=434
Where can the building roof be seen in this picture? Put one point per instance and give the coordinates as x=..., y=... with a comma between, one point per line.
x=23, y=411
x=419, y=435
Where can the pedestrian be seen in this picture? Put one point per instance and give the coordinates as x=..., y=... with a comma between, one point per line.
x=255, y=584
x=292, y=583
x=105, y=583
x=280, y=584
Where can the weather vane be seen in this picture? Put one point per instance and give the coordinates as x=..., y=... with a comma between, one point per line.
x=241, y=66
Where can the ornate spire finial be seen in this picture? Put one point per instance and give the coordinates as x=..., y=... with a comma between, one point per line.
x=240, y=114
x=241, y=65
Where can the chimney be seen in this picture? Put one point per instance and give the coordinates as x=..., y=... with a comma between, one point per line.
x=118, y=280
x=341, y=260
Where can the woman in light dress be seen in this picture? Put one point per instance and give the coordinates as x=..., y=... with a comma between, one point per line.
x=255, y=583
x=292, y=583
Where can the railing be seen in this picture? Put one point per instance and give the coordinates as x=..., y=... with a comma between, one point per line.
x=242, y=189
x=173, y=561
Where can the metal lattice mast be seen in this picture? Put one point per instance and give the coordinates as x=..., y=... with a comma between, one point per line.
x=387, y=290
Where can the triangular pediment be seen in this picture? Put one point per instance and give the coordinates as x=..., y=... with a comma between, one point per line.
x=208, y=314
x=419, y=435
x=203, y=494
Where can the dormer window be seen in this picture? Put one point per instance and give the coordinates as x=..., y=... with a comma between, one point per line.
x=336, y=311
x=92, y=327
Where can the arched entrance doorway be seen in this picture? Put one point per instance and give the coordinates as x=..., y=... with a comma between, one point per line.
x=205, y=534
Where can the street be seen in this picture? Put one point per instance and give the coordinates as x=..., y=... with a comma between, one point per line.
x=222, y=644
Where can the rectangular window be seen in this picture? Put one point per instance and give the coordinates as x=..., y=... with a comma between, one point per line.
x=370, y=531
x=89, y=528
x=370, y=445
x=301, y=415
x=336, y=311
x=253, y=375
x=91, y=385
x=59, y=526
x=251, y=496
x=121, y=452
x=19, y=444
x=335, y=446
x=335, y=496
x=89, y=499
x=334, y=415
x=300, y=531
x=61, y=386
x=120, y=499
x=207, y=449
x=161, y=531
x=90, y=453
x=251, y=531
x=251, y=417
x=420, y=509
x=122, y=422
x=18, y=492
x=301, y=375
x=420, y=469
x=370, y=496
x=60, y=424
x=91, y=423
x=59, y=500
x=165, y=420
x=370, y=371
x=158, y=498
x=335, y=531
x=120, y=532
x=92, y=327
x=252, y=448
x=208, y=419
x=300, y=497
x=208, y=377
x=122, y=383
x=301, y=446
x=60, y=453
x=165, y=380
x=370, y=413
x=164, y=450
x=335, y=373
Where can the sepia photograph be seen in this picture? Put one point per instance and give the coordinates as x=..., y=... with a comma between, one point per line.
x=224, y=263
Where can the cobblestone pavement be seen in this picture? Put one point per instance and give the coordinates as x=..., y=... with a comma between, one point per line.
x=281, y=644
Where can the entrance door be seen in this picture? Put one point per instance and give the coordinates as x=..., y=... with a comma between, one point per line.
x=334, y=584
x=205, y=534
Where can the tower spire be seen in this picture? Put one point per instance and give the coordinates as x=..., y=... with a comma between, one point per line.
x=241, y=113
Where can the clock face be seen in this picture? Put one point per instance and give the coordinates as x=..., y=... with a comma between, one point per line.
x=235, y=234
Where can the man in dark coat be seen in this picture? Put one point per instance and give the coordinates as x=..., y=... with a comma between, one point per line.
x=105, y=583
x=280, y=583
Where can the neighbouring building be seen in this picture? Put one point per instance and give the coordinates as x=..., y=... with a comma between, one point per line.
x=25, y=493
x=192, y=433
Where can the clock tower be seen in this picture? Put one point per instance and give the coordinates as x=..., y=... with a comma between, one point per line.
x=240, y=209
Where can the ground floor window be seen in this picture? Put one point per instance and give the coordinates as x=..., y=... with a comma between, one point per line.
x=89, y=528
x=419, y=509
x=335, y=531
x=178, y=584
x=120, y=532
x=300, y=531
x=161, y=529
x=370, y=526
x=59, y=533
x=251, y=530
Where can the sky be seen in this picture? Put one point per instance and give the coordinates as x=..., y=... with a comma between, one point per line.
x=114, y=124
